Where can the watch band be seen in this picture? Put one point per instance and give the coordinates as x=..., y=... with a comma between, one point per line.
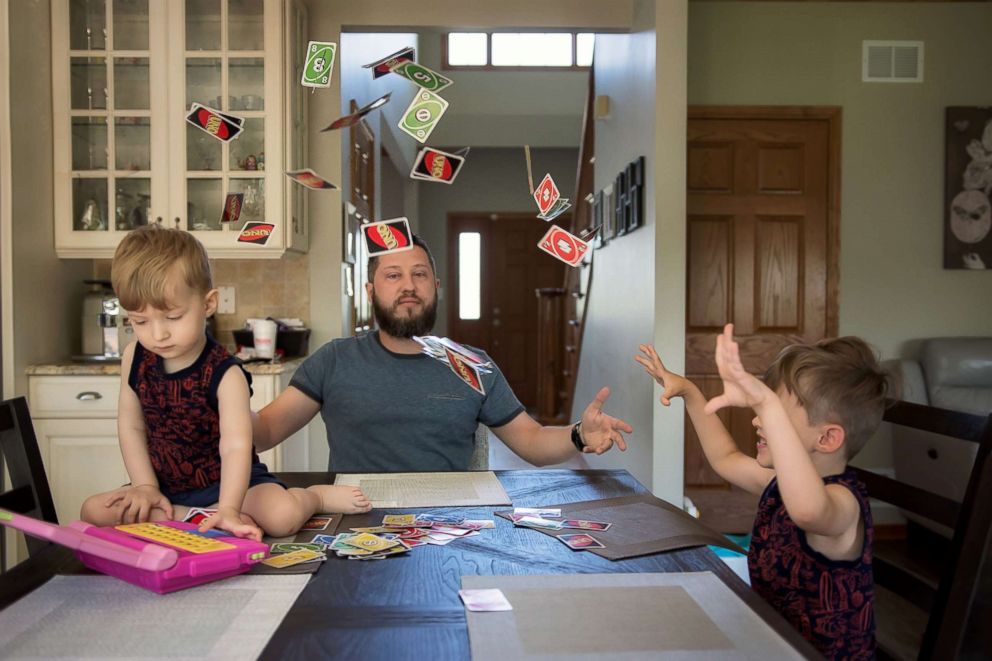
x=577, y=436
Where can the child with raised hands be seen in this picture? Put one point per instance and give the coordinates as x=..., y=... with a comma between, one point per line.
x=183, y=419
x=811, y=545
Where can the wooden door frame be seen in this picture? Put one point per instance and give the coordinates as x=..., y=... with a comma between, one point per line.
x=832, y=115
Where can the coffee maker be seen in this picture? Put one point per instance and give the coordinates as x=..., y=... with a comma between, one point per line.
x=105, y=327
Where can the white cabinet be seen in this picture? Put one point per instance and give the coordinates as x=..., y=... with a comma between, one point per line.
x=75, y=420
x=124, y=76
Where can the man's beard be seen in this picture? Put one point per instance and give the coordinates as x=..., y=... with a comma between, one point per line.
x=405, y=327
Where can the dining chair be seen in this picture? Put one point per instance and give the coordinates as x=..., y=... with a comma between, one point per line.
x=921, y=594
x=480, y=452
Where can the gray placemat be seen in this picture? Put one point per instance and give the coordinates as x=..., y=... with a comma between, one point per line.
x=619, y=616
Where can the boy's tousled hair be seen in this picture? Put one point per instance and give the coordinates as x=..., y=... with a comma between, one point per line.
x=148, y=257
x=836, y=380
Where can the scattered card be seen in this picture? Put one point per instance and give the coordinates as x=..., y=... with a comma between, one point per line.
x=445, y=519
x=223, y=127
x=369, y=542
x=257, y=233
x=564, y=246
x=320, y=62
x=436, y=165
x=317, y=523
x=398, y=520
x=581, y=541
x=546, y=194
x=355, y=117
x=538, y=522
x=465, y=370
x=232, y=207
x=487, y=599
x=198, y=514
x=387, y=236
x=384, y=66
x=289, y=547
x=430, y=80
x=539, y=511
x=422, y=115
x=561, y=206
x=580, y=524
x=290, y=559
x=307, y=177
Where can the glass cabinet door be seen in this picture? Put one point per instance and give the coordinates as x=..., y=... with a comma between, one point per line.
x=110, y=117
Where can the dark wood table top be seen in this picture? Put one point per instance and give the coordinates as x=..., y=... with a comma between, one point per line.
x=388, y=608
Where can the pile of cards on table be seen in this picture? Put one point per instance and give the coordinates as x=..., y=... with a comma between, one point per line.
x=399, y=533
x=544, y=518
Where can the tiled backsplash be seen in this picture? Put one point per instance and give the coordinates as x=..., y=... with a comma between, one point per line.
x=278, y=288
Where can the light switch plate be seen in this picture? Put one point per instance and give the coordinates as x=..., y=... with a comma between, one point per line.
x=225, y=300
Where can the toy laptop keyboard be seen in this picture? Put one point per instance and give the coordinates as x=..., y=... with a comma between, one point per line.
x=163, y=557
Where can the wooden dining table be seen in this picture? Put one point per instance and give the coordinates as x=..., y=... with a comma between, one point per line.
x=408, y=606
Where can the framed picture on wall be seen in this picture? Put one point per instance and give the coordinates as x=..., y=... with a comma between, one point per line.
x=597, y=220
x=968, y=188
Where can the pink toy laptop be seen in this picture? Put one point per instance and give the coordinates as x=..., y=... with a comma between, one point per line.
x=162, y=557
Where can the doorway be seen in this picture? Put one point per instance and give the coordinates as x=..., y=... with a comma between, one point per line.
x=494, y=270
x=762, y=246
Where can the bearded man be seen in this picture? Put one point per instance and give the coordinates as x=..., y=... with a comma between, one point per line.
x=390, y=408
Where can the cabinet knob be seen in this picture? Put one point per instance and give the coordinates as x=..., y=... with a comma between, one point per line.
x=89, y=396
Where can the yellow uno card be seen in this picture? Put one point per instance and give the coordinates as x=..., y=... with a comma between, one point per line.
x=369, y=542
x=373, y=529
x=399, y=520
x=290, y=559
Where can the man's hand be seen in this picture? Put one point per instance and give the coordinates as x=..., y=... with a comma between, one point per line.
x=674, y=385
x=134, y=504
x=231, y=520
x=600, y=431
x=740, y=388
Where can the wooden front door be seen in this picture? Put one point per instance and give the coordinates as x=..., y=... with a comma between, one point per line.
x=762, y=205
x=512, y=268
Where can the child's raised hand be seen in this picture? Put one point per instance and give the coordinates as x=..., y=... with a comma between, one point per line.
x=230, y=520
x=740, y=388
x=674, y=385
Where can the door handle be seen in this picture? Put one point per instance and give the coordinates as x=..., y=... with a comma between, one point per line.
x=89, y=396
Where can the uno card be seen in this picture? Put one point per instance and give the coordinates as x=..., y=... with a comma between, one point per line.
x=307, y=177
x=374, y=529
x=355, y=117
x=221, y=126
x=538, y=511
x=465, y=370
x=290, y=559
x=422, y=115
x=320, y=61
x=561, y=206
x=387, y=236
x=564, y=246
x=436, y=165
x=289, y=547
x=581, y=541
x=326, y=540
x=198, y=515
x=485, y=599
x=538, y=522
x=546, y=194
x=316, y=523
x=385, y=66
x=444, y=519
x=430, y=80
x=581, y=524
x=398, y=520
x=257, y=233
x=232, y=207
x=364, y=540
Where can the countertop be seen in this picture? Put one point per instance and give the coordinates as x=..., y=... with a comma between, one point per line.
x=70, y=368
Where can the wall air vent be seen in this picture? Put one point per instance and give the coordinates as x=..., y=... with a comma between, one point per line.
x=892, y=61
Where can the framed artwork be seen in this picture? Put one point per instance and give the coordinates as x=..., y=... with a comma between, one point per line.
x=597, y=220
x=635, y=194
x=609, y=215
x=968, y=188
x=620, y=207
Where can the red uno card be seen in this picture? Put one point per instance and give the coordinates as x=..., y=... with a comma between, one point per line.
x=465, y=371
x=564, y=246
x=355, y=117
x=581, y=541
x=384, y=66
x=546, y=194
x=310, y=179
x=316, y=523
x=221, y=126
x=582, y=524
x=436, y=165
x=232, y=207
x=257, y=233
x=388, y=236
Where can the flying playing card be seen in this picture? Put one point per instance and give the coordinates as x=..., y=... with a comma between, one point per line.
x=546, y=194
x=485, y=599
x=422, y=115
x=436, y=165
x=465, y=370
x=387, y=236
x=564, y=246
x=223, y=127
x=232, y=207
x=310, y=179
x=581, y=541
x=320, y=61
x=257, y=233
x=355, y=117
x=557, y=209
x=430, y=80
x=384, y=66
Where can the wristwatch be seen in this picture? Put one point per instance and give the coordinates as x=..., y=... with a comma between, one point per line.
x=577, y=436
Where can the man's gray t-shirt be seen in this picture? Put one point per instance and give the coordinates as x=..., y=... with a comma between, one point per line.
x=398, y=412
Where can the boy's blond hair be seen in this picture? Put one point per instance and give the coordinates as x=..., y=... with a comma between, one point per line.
x=836, y=380
x=148, y=257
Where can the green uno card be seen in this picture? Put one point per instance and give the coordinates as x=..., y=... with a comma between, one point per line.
x=431, y=81
x=422, y=115
x=320, y=61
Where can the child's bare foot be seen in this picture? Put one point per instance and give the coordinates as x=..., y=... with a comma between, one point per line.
x=346, y=500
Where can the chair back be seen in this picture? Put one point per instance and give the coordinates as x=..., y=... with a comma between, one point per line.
x=29, y=492
x=949, y=602
x=480, y=452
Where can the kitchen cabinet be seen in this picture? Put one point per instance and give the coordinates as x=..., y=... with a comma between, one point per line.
x=124, y=76
x=75, y=420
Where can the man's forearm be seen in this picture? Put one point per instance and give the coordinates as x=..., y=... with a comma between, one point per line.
x=260, y=436
x=548, y=445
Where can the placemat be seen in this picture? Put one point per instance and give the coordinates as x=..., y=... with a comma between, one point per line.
x=642, y=525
